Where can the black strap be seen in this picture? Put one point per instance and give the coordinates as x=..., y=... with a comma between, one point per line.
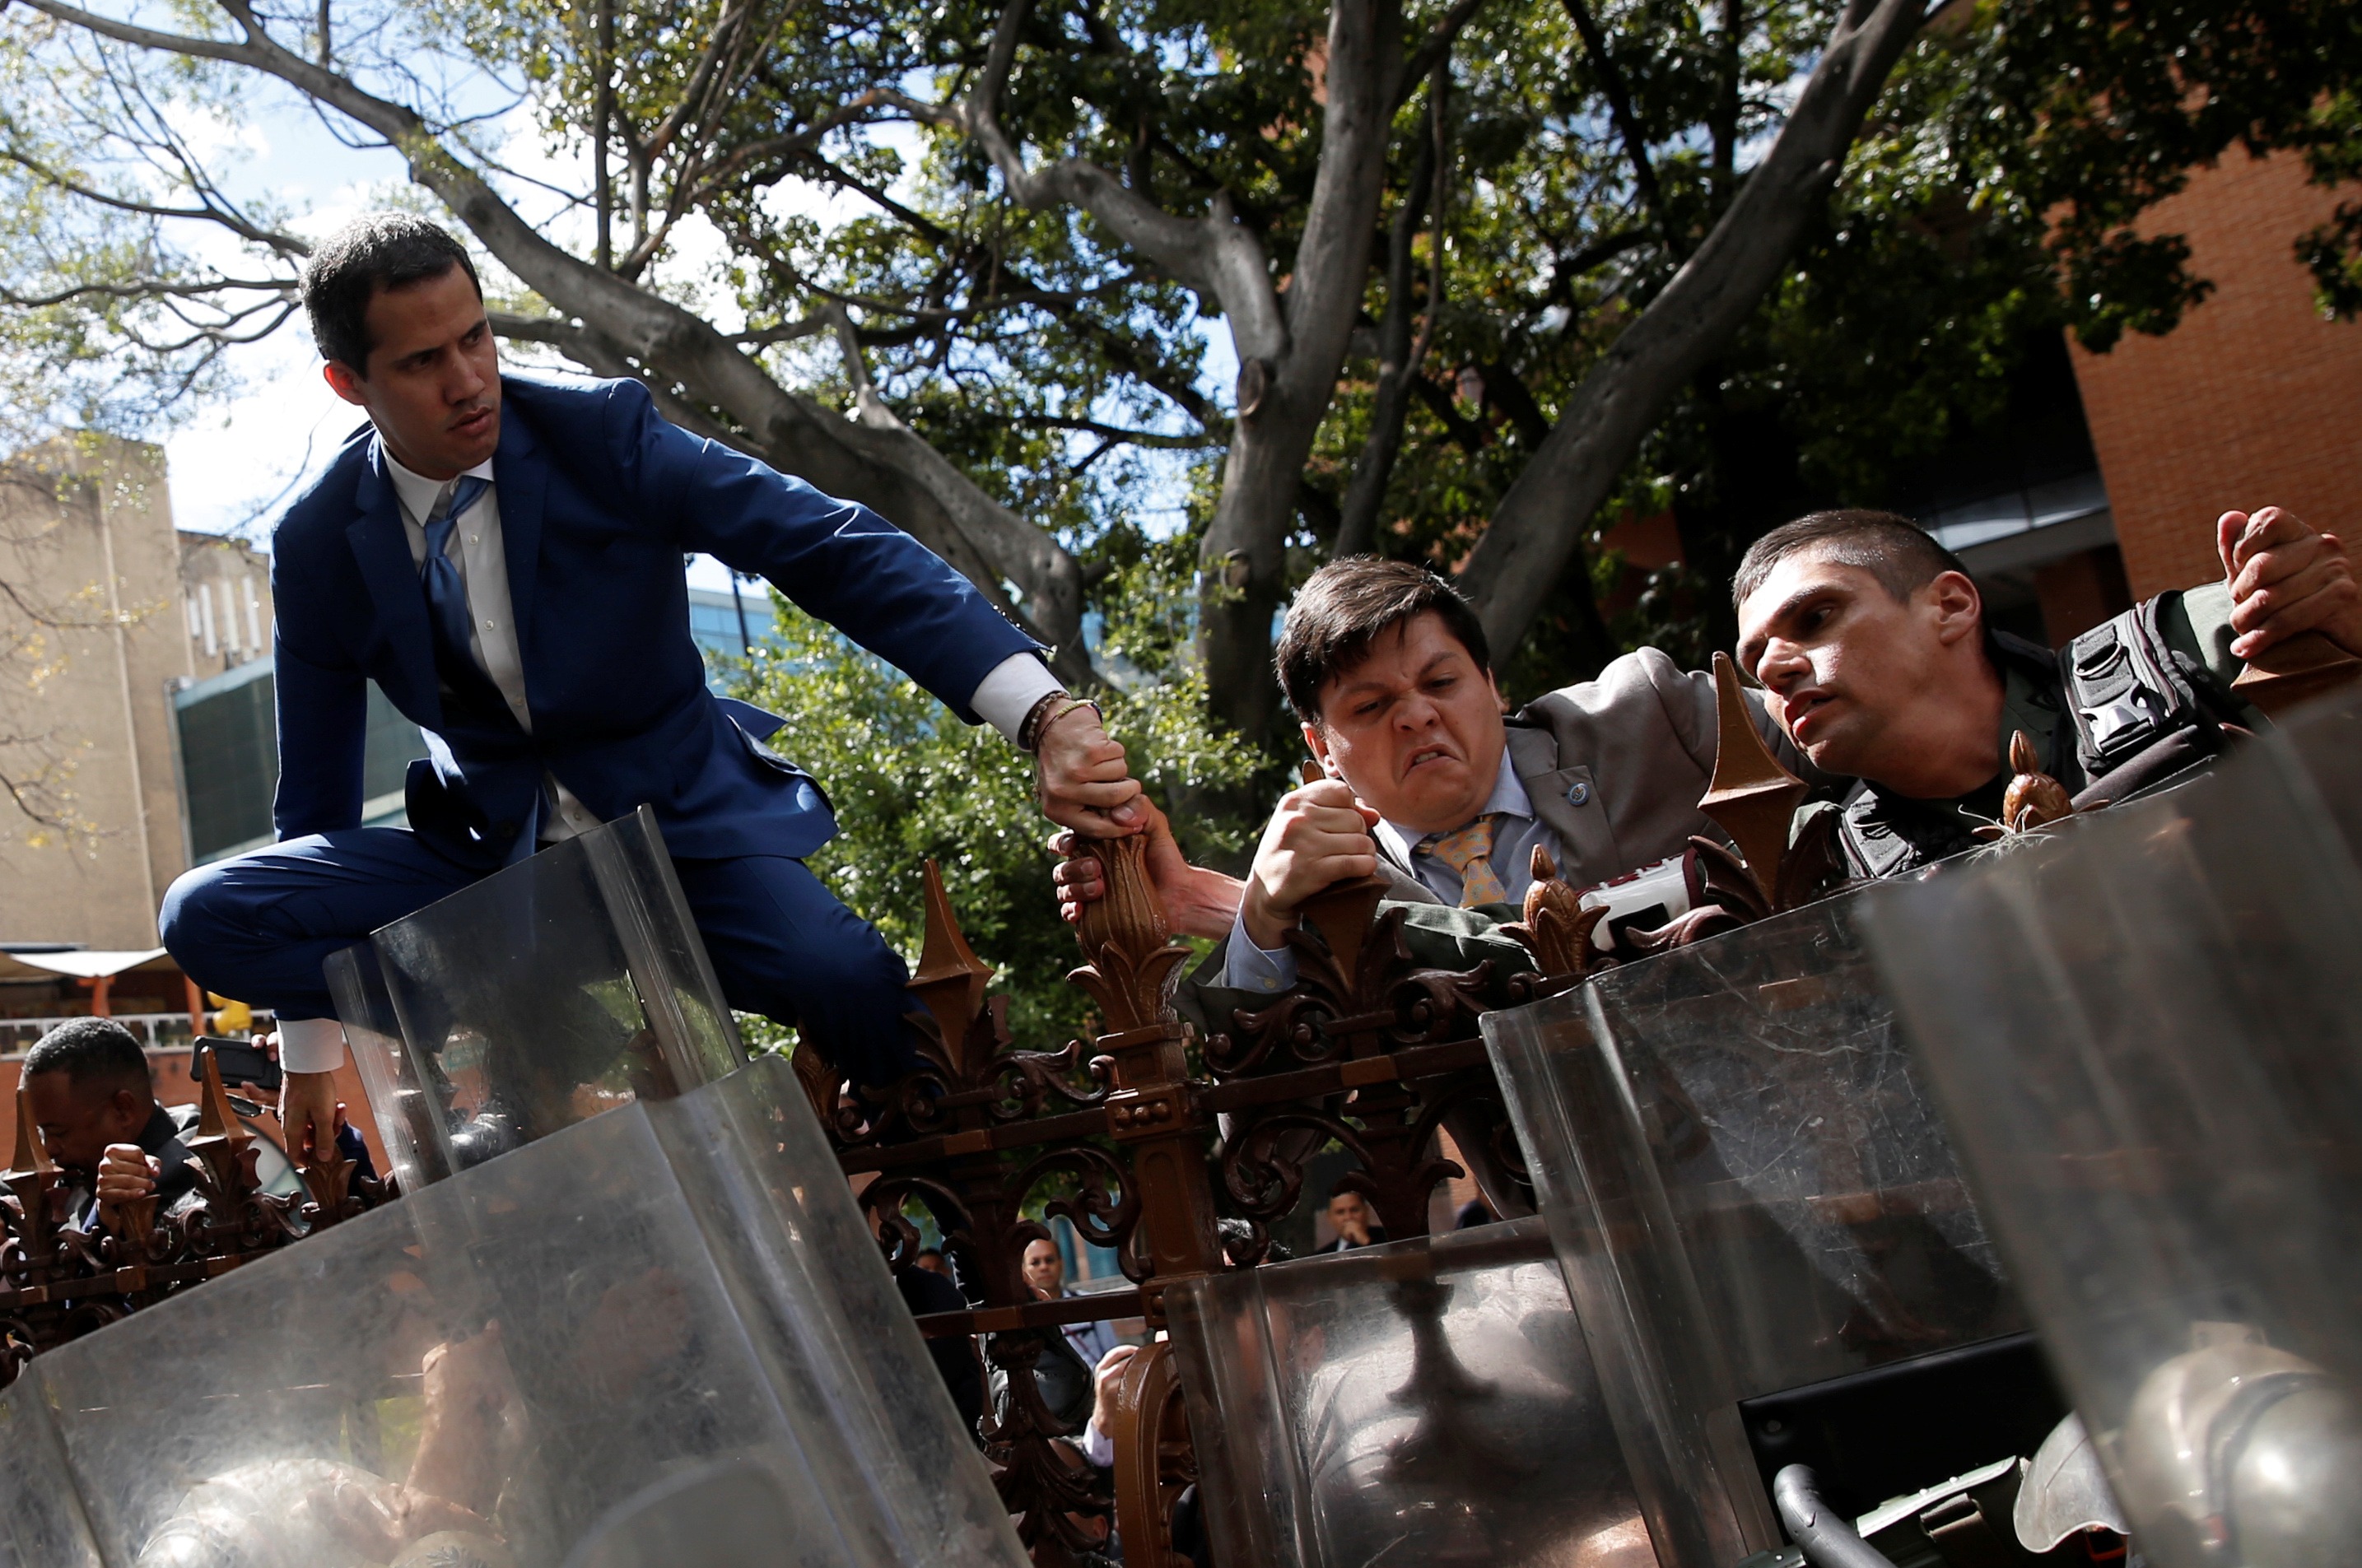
x=1873, y=846
x=2125, y=689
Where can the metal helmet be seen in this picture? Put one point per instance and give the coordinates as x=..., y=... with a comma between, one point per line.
x=2251, y=1452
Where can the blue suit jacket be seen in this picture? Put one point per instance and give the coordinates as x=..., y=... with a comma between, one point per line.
x=598, y=500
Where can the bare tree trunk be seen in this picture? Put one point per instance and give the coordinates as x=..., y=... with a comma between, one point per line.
x=1400, y=355
x=1288, y=377
x=603, y=189
x=1538, y=527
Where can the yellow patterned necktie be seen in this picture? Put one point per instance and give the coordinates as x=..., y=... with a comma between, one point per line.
x=1469, y=851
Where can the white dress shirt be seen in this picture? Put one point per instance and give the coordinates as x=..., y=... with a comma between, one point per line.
x=1246, y=967
x=1002, y=699
x=476, y=544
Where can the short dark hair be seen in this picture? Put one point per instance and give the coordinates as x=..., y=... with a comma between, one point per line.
x=381, y=250
x=90, y=1050
x=1346, y=605
x=1903, y=555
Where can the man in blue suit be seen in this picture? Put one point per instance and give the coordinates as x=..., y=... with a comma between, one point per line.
x=502, y=556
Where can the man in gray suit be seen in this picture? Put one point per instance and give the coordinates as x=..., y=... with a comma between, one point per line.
x=1432, y=786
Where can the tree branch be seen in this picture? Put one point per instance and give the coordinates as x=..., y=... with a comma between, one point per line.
x=1244, y=553
x=1466, y=434
x=896, y=472
x=603, y=120
x=1215, y=255
x=1627, y=124
x=1435, y=47
x=285, y=244
x=1114, y=433
x=1400, y=355
x=141, y=290
x=1537, y=525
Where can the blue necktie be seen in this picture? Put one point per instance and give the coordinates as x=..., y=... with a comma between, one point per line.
x=447, y=601
x=472, y=691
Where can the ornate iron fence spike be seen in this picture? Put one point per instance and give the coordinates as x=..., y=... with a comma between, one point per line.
x=1752, y=798
x=1133, y=964
x=32, y=1154
x=222, y=1142
x=951, y=981
x=2305, y=666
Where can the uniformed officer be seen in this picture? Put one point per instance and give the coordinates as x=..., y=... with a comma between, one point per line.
x=1873, y=639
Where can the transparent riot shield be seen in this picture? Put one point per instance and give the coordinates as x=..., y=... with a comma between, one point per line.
x=1757, y=1211
x=2147, y=1036
x=1427, y=1401
x=40, y=1511
x=657, y=1337
x=562, y=985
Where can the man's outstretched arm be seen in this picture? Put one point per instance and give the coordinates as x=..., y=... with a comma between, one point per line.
x=848, y=566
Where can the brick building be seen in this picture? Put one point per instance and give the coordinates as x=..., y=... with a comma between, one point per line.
x=2103, y=482
x=2253, y=400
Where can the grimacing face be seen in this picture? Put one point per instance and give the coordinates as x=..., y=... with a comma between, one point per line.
x=434, y=384
x=78, y=1121
x=1045, y=1271
x=1414, y=728
x=1845, y=661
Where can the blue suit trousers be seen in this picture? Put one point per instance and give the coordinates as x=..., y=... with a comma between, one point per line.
x=261, y=928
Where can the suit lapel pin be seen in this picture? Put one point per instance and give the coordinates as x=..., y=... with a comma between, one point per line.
x=1578, y=793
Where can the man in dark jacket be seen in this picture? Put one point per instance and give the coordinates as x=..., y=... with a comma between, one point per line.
x=1871, y=638
x=93, y=1099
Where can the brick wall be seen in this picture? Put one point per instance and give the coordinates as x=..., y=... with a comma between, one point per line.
x=2253, y=400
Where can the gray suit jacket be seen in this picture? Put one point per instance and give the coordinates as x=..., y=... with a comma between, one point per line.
x=1614, y=765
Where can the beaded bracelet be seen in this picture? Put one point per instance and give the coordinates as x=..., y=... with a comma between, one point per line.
x=1028, y=729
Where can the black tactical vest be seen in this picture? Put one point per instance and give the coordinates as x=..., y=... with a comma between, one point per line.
x=2135, y=713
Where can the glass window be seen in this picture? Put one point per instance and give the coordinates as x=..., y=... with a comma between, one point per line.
x=230, y=757
x=229, y=760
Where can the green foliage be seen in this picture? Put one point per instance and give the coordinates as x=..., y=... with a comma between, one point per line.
x=88, y=340
x=2334, y=250
x=910, y=783
x=2090, y=111
x=1990, y=202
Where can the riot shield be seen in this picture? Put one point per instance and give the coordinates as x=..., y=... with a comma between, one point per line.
x=2147, y=1037
x=557, y=987
x=657, y=1336
x=1761, y=1221
x=40, y=1511
x=1427, y=1402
